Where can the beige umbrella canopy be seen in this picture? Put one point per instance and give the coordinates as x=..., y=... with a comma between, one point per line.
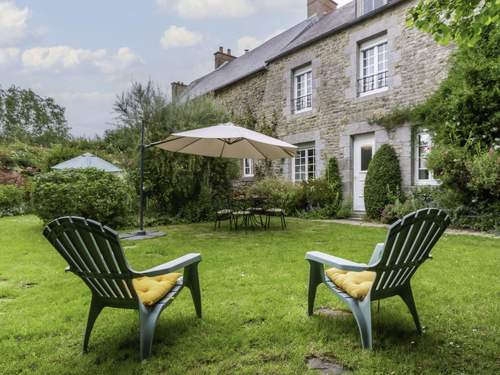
x=227, y=141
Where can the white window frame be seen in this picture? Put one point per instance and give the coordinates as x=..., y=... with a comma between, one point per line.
x=375, y=45
x=248, y=169
x=363, y=11
x=307, y=149
x=307, y=73
x=420, y=181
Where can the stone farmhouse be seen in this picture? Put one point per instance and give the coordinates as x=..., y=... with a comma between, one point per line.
x=325, y=78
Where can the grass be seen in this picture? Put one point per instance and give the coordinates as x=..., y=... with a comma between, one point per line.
x=254, y=289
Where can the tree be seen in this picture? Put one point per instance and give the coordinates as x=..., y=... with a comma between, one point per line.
x=30, y=118
x=175, y=184
x=466, y=107
x=461, y=21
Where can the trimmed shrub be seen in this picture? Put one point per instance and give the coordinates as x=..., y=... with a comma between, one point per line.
x=383, y=181
x=89, y=193
x=11, y=200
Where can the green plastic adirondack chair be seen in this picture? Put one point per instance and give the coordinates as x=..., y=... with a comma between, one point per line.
x=407, y=245
x=93, y=253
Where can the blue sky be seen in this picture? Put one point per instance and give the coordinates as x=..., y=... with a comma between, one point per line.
x=85, y=53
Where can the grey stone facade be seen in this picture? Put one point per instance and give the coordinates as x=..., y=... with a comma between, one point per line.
x=416, y=66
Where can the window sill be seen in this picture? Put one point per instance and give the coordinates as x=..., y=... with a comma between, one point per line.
x=372, y=92
x=309, y=109
x=427, y=183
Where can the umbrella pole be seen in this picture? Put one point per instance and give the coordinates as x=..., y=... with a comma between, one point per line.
x=141, y=183
x=141, y=234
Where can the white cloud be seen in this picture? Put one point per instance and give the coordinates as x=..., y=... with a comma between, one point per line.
x=251, y=42
x=120, y=61
x=13, y=22
x=9, y=55
x=42, y=58
x=198, y=9
x=65, y=57
x=178, y=36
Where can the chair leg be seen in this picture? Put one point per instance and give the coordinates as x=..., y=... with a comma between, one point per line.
x=95, y=310
x=215, y=226
x=363, y=315
x=407, y=297
x=315, y=278
x=148, y=319
x=192, y=281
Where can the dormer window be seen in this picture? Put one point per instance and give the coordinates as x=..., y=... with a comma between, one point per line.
x=370, y=5
x=302, y=89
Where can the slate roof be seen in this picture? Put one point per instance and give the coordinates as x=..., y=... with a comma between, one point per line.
x=87, y=160
x=247, y=64
x=299, y=36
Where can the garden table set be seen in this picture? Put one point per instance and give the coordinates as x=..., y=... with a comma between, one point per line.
x=250, y=214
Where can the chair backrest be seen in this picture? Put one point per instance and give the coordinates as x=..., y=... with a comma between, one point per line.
x=408, y=244
x=94, y=253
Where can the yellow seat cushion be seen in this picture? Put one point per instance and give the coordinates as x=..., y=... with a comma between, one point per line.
x=152, y=289
x=356, y=284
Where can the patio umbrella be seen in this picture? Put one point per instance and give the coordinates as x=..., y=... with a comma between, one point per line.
x=227, y=141
x=222, y=141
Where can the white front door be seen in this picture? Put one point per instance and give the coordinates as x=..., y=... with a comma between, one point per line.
x=363, y=149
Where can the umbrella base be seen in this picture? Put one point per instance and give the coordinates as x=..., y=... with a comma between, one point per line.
x=141, y=235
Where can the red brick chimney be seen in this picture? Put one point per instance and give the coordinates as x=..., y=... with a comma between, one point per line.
x=222, y=57
x=320, y=7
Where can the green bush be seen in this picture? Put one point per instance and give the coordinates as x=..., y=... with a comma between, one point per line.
x=89, y=193
x=345, y=209
x=323, y=195
x=484, y=171
x=383, y=180
x=11, y=200
x=278, y=193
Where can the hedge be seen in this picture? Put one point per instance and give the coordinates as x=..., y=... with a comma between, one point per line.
x=89, y=193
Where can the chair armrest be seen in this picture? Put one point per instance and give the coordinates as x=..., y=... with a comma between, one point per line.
x=173, y=265
x=330, y=260
x=377, y=254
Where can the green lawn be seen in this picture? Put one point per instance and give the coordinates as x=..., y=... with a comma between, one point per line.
x=254, y=289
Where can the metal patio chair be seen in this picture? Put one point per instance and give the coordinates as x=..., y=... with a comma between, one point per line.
x=388, y=273
x=94, y=253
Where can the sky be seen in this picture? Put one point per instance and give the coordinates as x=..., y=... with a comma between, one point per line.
x=84, y=53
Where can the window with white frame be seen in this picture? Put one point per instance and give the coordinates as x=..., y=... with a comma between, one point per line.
x=305, y=163
x=248, y=168
x=369, y=5
x=302, y=90
x=372, y=67
x=423, y=145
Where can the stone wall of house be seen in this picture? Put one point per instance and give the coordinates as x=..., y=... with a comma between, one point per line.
x=416, y=66
x=245, y=95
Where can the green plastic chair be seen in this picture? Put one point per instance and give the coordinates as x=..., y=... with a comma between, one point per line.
x=93, y=253
x=407, y=245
